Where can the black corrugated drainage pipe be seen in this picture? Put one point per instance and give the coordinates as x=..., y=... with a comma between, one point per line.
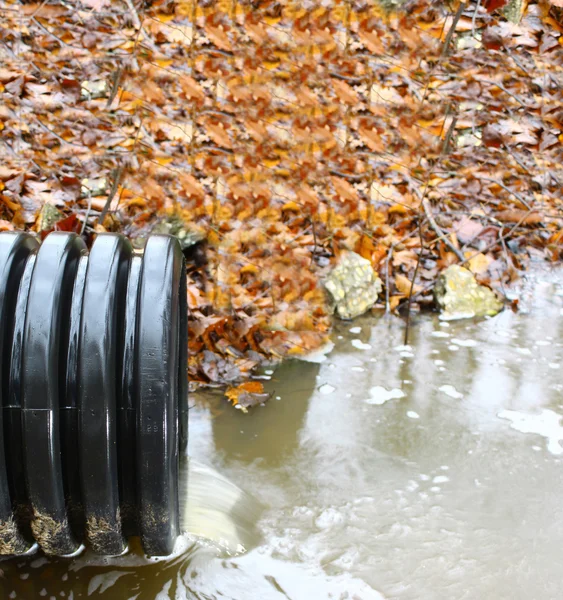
x=93, y=352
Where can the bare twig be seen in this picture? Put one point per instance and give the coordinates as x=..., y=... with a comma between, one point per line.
x=501, y=87
x=134, y=14
x=114, y=85
x=448, y=137
x=387, y=262
x=408, y=323
x=457, y=17
x=498, y=241
x=314, y=240
x=439, y=232
x=56, y=135
x=477, y=5
x=389, y=257
x=117, y=173
x=49, y=32
x=507, y=189
x=87, y=215
x=517, y=160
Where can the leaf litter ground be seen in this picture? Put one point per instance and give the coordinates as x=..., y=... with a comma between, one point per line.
x=279, y=134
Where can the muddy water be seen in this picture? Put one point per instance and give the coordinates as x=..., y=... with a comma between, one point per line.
x=427, y=472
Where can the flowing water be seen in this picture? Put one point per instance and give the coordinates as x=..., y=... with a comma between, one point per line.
x=425, y=472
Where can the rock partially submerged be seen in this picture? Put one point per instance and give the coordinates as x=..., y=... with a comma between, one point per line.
x=459, y=296
x=353, y=285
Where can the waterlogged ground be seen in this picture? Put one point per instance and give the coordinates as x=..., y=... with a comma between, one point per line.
x=426, y=472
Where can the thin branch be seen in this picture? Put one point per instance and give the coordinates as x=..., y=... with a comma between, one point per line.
x=49, y=32
x=477, y=6
x=448, y=40
x=408, y=323
x=448, y=137
x=500, y=240
x=504, y=187
x=134, y=14
x=439, y=232
x=87, y=216
x=117, y=173
x=114, y=85
x=501, y=87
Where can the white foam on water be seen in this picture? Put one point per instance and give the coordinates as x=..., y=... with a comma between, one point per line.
x=450, y=391
x=326, y=389
x=360, y=345
x=380, y=395
x=403, y=348
x=355, y=330
x=440, y=479
x=464, y=343
x=440, y=334
x=547, y=424
x=412, y=414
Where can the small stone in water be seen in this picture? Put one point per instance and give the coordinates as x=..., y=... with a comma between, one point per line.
x=459, y=295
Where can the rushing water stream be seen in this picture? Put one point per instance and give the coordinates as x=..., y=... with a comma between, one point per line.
x=426, y=472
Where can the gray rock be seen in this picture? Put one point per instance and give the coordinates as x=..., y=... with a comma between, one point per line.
x=353, y=286
x=175, y=226
x=459, y=296
x=48, y=216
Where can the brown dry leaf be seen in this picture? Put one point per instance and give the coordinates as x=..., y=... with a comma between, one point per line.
x=478, y=263
x=403, y=285
x=467, y=229
x=520, y=216
x=283, y=134
x=247, y=395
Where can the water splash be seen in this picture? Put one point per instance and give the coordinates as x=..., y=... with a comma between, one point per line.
x=216, y=511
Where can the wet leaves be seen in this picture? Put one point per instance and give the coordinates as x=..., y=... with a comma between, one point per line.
x=247, y=395
x=284, y=134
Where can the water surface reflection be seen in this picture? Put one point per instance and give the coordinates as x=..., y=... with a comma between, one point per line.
x=424, y=472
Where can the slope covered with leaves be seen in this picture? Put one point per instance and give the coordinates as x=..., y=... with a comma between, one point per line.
x=281, y=133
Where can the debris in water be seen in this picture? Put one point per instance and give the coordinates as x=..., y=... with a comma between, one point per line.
x=247, y=394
